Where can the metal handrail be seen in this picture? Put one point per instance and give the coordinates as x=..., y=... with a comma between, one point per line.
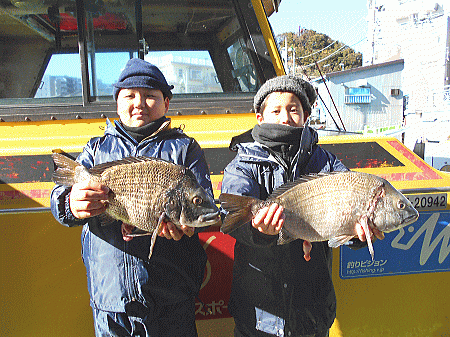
x=424, y=190
x=25, y=210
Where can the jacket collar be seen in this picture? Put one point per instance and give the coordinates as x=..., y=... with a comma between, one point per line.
x=117, y=130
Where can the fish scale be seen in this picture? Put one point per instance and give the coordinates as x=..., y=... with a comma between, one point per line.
x=139, y=206
x=342, y=198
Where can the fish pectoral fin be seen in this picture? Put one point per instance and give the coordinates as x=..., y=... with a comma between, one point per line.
x=139, y=232
x=365, y=225
x=155, y=233
x=339, y=240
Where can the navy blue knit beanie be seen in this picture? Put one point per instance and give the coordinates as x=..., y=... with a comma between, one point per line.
x=142, y=74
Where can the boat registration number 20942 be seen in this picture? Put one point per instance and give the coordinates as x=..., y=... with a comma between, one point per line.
x=428, y=201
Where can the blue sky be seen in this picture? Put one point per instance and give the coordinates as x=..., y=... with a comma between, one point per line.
x=340, y=20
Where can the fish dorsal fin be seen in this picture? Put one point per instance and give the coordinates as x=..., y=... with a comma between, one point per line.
x=300, y=180
x=99, y=169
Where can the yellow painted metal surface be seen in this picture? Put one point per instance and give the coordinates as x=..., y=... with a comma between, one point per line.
x=44, y=290
x=413, y=305
x=268, y=37
x=27, y=138
x=43, y=280
x=213, y=131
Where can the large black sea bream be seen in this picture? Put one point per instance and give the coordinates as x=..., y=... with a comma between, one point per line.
x=325, y=207
x=145, y=191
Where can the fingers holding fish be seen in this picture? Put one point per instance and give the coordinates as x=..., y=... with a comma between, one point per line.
x=374, y=232
x=189, y=231
x=269, y=220
x=88, y=199
x=170, y=231
x=378, y=234
x=126, y=230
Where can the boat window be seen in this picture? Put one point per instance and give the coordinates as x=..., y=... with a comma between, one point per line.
x=200, y=48
x=243, y=69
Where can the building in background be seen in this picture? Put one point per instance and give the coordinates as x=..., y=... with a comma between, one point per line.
x=404, y=82
x=187, y=74
x=417, y=31
x=59, y=86
x=364, y=99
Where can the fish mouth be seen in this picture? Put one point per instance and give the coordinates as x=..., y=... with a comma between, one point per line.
x=406, y=221
x=411, y=219
x=209, y=219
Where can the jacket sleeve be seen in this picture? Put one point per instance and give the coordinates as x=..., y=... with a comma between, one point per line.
x=59, y=198
x=196, y=162
x=239, y=179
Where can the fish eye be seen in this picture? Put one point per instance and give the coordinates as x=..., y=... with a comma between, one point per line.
x=197, y=200
x=401, y=204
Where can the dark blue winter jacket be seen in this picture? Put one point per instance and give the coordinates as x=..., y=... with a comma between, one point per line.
x=119, y=272
x=274, y=290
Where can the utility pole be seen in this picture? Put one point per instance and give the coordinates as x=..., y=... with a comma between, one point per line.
x=293, y=59
x=285, y=55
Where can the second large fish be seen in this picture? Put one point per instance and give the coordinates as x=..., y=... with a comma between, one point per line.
x=145, y=191
x=328, y=207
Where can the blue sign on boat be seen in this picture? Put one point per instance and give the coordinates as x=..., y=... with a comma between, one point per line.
x=422, y=247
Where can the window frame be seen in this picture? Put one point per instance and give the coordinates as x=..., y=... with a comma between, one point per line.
x=353, y=97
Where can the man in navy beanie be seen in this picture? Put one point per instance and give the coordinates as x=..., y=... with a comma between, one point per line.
x=130, y=294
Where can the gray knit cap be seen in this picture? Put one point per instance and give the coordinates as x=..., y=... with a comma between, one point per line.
x=287, y=83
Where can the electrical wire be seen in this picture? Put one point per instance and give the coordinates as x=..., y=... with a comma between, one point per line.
x=350, y=30
x=319, y=51
x=326, y=58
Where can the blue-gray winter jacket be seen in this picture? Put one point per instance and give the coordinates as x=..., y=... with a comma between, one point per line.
x=274, y=290
x=119, y=272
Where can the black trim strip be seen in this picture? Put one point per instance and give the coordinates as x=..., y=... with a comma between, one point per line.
x=362, y=155
x=39, y=168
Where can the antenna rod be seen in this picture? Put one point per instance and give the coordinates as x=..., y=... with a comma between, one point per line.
x=332, y=100
x=329, y=112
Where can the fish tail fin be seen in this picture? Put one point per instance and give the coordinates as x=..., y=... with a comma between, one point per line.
x=239, y=210
x=65, y=170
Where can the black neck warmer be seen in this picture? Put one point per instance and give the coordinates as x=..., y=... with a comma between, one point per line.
x=141, y=132
x=283, y=140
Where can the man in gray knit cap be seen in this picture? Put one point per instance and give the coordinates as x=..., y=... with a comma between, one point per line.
x=276, y=290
